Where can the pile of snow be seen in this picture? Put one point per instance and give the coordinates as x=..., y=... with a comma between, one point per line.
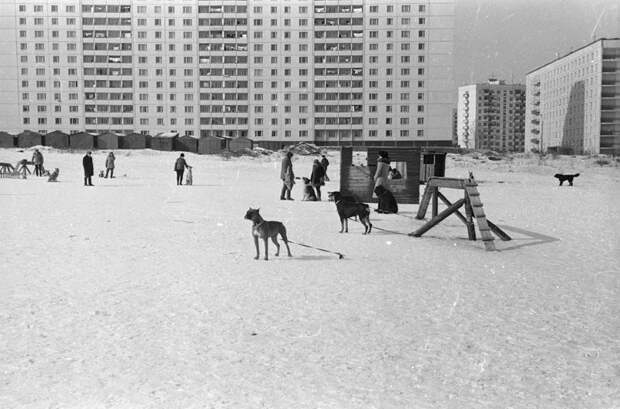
x=304, y=148
x=137, y=293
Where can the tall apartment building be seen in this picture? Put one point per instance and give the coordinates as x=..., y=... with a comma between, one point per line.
x=491, y=116
x=573, y=102
x=328, y=71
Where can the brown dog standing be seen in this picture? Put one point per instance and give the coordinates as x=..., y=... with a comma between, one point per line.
x=266, y=230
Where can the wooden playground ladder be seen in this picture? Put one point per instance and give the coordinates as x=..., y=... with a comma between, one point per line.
x=473, y=209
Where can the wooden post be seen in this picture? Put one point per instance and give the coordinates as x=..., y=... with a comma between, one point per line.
x=469, y=213
x=435, y=203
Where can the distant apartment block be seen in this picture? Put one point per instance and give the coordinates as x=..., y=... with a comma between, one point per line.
x=327, y=71
x=573, y=102
x=491, y=116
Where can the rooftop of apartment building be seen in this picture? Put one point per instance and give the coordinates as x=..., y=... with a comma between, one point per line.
x=574, y=51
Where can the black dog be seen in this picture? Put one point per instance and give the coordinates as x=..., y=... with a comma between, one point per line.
x=562, y=178
x=387, y=202
x=347, y=209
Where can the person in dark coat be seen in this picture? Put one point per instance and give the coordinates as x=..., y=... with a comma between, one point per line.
x=179, y=167
x=317, y=177
x=37, y=159
x=325, y=164
x=387, y=201
x=287, y=176
x=87, y=164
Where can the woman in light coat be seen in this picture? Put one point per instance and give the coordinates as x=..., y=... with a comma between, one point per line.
x=383, y=170
x=109, y=165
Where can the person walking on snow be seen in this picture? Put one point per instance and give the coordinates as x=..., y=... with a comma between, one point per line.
x=179, y=167
x=109, y=165
x=87, y=164
x=37, y=159
x=287, y=176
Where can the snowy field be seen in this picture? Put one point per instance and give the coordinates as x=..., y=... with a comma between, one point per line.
x=137, y=293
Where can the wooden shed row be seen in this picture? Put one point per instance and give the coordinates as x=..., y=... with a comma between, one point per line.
x=165, y=141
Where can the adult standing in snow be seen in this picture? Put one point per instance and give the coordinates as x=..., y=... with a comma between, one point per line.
x=87, y=164
x=109, y=165
x=287, y=176
x=317, y=177
x=37, y=159
x=383, y=170
x=179, y=167
x=325, y=164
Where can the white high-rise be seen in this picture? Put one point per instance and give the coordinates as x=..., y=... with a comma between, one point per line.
x=327, y=71
x=573, y=103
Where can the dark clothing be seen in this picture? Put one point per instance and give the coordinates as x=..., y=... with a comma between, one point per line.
x=87, y=163
x=180, y=164
x=325, y=164
x=287, y=176
x=317, y=178
x=109, y=171
x=38, y=170
x=179, y=168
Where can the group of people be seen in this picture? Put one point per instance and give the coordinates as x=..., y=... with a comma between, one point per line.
x=318, y=176
x=87, y=164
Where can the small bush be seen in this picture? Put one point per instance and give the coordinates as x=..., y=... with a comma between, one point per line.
x=602, y=162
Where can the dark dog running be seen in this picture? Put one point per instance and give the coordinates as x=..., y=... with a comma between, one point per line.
x=562, y=178
x=266, y=230
x=347, y=209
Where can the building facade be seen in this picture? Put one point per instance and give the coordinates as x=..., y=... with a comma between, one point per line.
x=491, y=116
x=332, y=72
x=573, y=102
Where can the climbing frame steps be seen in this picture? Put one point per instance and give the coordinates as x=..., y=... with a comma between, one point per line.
x=473, y=209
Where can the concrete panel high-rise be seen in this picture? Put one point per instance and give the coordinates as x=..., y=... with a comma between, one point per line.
x=573, y=102
x=491, y=116
x=327, y=71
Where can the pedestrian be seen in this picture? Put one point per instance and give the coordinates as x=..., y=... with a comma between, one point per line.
x=37, y=159
x=87, y=163
x=109, y=165
x=288, y=177
x=383, y=169
x=179, y=167
x=325, y=164
x=317, y=178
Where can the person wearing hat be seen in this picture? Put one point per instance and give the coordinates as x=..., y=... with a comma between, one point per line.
x=87, y=164
x=383, y=170
x=179, y=167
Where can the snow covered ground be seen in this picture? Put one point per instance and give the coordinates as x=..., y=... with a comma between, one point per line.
x=138, y=293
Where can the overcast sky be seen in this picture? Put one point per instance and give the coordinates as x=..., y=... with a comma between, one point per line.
x=508, y=38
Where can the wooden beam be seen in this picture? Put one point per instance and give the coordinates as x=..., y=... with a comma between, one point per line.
x=498, y=232
x=469, y=213
x=447, y=203
x=424, y=203
x=450, y=183
x=435, y=207
x=436, y=220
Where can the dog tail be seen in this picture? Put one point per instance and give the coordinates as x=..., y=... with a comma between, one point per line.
x=575, y=175
x=283, y=234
